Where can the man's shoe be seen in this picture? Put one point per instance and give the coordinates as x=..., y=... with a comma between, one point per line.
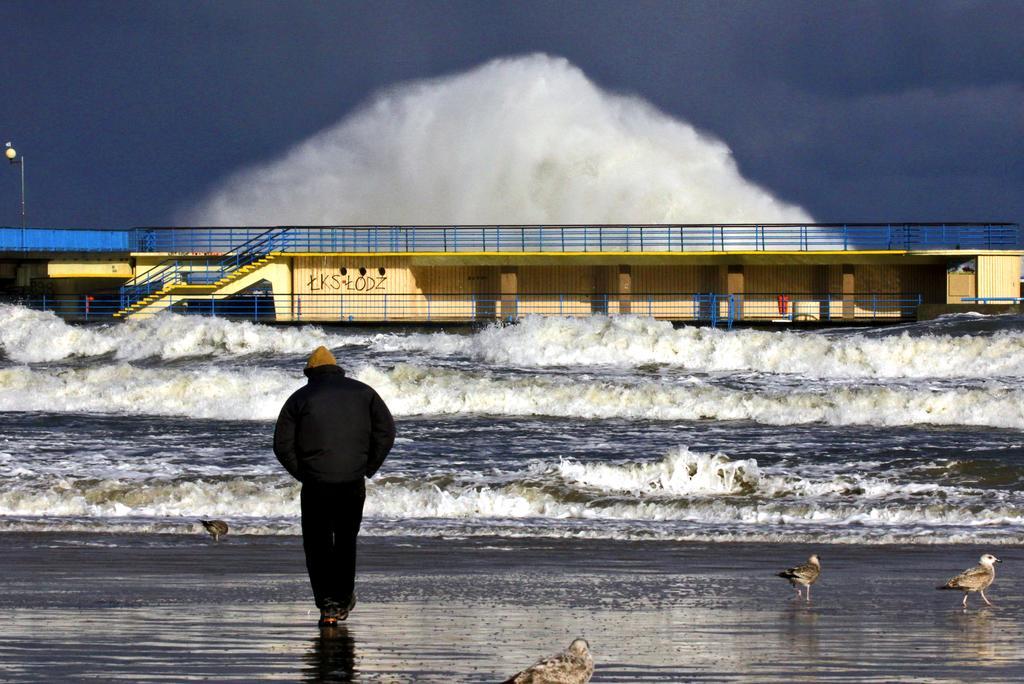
x=329, y=614
x=343, y=613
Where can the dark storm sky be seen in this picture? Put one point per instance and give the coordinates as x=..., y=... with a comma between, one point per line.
x=130, y=111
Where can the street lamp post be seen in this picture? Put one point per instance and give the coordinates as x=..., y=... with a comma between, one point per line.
x=12, y=156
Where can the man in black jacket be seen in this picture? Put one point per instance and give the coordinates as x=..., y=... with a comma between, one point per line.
x=330, y=435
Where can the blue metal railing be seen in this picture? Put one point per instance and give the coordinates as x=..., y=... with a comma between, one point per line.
x=710, y=308
x=992, y=300
x=599, y=238
x=66, y=240
x=532, y=238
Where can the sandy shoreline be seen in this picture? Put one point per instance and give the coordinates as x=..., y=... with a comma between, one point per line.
x=80, y=607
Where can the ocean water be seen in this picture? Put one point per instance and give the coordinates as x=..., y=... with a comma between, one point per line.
x=605, y=428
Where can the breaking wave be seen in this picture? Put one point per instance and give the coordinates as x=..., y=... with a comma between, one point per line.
x=30, y=336
x=257, y=394
x=927, y=350
x=684, y=494
x=912, y=352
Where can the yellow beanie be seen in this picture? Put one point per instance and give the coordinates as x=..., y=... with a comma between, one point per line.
x=321, y=356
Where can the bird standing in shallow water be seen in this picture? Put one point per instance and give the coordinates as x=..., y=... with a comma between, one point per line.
x=803, y=575
x=216, y=528
x=574, y=665
x=975, y=579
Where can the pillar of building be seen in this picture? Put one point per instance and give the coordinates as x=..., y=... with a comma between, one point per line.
x=849, y=292
x=279, y=274
x=625, y=289
x=509, y=292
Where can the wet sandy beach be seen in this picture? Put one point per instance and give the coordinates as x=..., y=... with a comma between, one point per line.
x=161, y=607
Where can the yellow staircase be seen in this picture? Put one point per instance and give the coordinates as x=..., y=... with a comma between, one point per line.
x=177, y=290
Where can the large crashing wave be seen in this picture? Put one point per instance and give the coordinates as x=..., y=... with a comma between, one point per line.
x=517, y=140
x=411, y=390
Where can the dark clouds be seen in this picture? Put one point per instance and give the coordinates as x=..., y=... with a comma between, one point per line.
x=870, y=110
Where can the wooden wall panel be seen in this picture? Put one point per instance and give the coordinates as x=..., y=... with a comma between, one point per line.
x=960, y=285
x=675, y=279
x=998, y=276
x=782, y=279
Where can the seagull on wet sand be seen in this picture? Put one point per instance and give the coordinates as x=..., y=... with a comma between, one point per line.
x=574, y=665
x=975, y=579
x=803, y=575
x=216, y=528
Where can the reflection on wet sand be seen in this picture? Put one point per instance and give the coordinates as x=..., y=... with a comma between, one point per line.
x=332, y=657
x=975, y=636
x=469, y=611
x=801, y=630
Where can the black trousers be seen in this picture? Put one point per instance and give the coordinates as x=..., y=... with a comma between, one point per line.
x=331, y=515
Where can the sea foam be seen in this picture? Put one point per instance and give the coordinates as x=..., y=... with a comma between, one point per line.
x=635, y=340
x=683, y=494
x=410, y=390
x=31, y=336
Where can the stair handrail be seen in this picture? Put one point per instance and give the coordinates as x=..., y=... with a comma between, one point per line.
x=250, y=250
x=141, y=285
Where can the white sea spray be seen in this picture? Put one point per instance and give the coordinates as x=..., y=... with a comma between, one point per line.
x=525, y=139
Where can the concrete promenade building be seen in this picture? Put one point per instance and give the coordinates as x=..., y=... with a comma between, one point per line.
x=717, y=274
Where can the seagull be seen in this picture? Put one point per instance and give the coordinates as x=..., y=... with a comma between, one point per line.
x=216, y=528
x=574, y=665
x=975, y=579
x=803, y=575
